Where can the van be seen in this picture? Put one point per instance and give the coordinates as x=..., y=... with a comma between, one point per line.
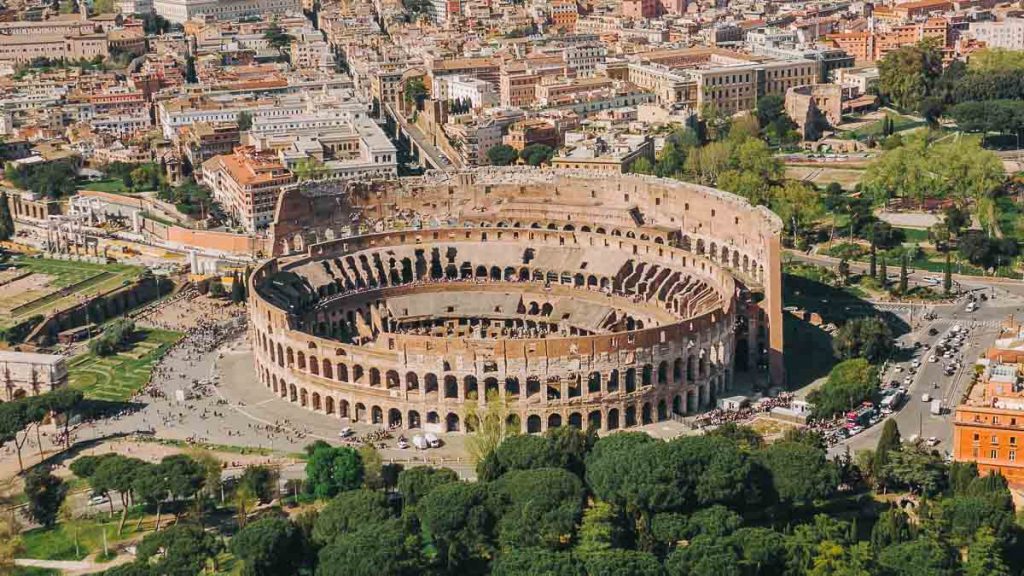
x=432, y=440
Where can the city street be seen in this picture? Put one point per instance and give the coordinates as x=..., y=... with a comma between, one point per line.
x=914, y=417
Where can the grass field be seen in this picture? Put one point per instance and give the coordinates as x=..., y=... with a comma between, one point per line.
x=115, y=378
x=81, y=278
x=108, y=185
x=58, y=543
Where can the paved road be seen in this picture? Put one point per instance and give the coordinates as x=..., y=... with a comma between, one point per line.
x=915, y=416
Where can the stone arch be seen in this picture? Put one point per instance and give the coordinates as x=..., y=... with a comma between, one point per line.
x=391, y=380
x=360, y=412
x=613, y=419
x=594, y=420
x=451, y=387
x=646, y=414
x=329, y=404
x=414, y=420
x=301, y=357
x=328, y=371
x=394, y=418
x=630, y=416
x=471, y=388
x=451, y=422
x=303, y=397
x=376, y=415
x=513, y=423
x=663, y=372
x=316, y=401
x=662, y=410
x=342, y=372
x=533, y=424
x=314, y=366
x=343, y=409
x=433, y=418
x=412, y=381
x=576, y=420
x=374, y=376
x=630, y=380
x=554, y=421
x=430, y=383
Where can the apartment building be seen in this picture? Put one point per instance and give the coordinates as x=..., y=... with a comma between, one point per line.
x=532, y=131
x=607, y=153
x=517, y=83
x=564, y=14
x=201, y=141
x=24, y=48
x=988, y=426
x=247, y=184
x=1007, y=34
x=730, y=81
x=181, y=11
x=309, y=50
x=478, y=92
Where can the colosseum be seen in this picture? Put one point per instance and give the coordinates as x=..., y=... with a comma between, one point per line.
x=572, y=298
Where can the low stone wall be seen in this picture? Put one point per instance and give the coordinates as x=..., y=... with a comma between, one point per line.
x=114, y=303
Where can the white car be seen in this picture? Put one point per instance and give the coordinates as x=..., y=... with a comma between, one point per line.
x=926, y=397
x=933, y=358
x=345, y=432
x=933, y=441
x=98, y=499
x=402, y=444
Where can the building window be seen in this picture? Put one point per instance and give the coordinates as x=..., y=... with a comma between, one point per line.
x=993, y=454
x=1013, y=456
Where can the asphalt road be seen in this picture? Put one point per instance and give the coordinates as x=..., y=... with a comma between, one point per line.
x=914, y=417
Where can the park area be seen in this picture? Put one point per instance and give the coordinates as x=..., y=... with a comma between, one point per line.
x=117, y=377
x=31, y=286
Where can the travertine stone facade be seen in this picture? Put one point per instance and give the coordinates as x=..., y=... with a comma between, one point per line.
x=572, y=298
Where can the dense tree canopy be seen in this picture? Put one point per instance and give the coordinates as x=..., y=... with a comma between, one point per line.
x=850, y=383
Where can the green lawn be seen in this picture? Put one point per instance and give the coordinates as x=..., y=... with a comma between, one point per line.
x=28, y=571
x=874, y=129
x=914, y=235
x=58, y=543
x=114, y=185
x=115, y=378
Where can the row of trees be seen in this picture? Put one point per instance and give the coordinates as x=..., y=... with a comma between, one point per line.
x=51, y=179
x=532, y=155
x=175, y=479
x=20, y=418
x=921, y=168
x=567, y=503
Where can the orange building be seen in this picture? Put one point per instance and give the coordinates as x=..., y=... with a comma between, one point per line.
x=988, y=427
x=564, y=14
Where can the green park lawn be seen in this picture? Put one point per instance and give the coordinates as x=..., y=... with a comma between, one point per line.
x=58, y=542
x=114, y=185
x=115, y=378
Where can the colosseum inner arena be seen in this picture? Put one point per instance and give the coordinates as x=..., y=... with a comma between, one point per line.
x=572, y=298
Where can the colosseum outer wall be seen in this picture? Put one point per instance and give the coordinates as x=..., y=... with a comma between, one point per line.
x=714, y=227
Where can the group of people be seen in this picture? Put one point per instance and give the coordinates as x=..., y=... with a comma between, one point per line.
x=719, y=416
